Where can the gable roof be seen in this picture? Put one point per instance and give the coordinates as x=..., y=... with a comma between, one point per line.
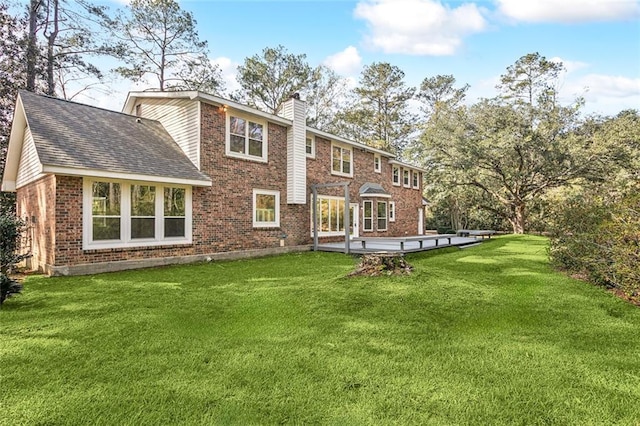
x=82, y=140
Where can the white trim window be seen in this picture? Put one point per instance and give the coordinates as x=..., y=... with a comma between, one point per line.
x=266, y=208
x=406, y=178
x=377, y=163
x=341, y=160
x=395, y=175
x=382, y=215
x=367, y=214
x=330, y=211
x=246, y=138
x=131, y=214
x=310, y=147
x=416, y=179
x=392, y=211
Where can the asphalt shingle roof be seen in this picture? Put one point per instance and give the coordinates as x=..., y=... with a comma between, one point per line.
x=69, y=134
x=372, y=189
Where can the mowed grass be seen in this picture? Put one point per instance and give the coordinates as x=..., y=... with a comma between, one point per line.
x=485, y=335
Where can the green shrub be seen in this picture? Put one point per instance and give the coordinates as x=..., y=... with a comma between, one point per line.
x=11, y=229
x=600, y=238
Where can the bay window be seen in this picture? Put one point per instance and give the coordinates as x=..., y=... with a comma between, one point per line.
x=368, y=215
x=382, y=215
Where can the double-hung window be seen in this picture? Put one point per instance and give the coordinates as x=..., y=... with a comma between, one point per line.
x=127, y=214
x=105, y=211
x=310, y=147
x=175, y=213
x=266, y=208
x=382, y=215
x=143, y=211
x=405, y=178
x=416, y=179
x=246, y=138
x=368, y=215
x=392, y=211
x=396, y=175
x=341, y=160
x=377, y=163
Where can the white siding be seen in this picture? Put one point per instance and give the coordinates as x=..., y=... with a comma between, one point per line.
x=181, y=119
x=295, y=110
x=29, y=167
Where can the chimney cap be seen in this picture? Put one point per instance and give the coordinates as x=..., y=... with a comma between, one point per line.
x=296, y=95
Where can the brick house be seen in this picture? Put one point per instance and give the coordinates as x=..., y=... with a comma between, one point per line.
x=186, y=176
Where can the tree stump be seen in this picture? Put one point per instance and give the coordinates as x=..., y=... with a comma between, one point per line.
x=375, y=264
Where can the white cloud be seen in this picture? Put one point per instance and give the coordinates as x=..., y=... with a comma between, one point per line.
x=345, y=62
x=569, y=11
x=229, y=70
x=418, y=27
x=569, y=66
x=610, y=86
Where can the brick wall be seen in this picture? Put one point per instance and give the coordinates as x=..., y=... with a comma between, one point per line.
x=222, y=213
x=407, y=200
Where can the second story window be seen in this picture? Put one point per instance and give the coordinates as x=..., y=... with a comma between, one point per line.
x=310, y=147
x=396, y=175
x=341, y=161
x=416, y=180
x=405, y=178
x=246, y=139
x=377, y=165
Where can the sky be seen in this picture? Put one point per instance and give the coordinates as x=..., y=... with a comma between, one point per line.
x=598, y=41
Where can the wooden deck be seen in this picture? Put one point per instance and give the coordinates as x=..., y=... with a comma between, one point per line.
x=407, y=244
x=475, y=233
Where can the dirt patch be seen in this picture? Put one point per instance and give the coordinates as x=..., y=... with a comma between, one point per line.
x=375, y=264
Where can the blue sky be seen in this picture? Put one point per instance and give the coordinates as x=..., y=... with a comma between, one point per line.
x=475, y=41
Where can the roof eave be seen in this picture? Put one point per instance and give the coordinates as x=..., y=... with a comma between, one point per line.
x=203, y=97
x=14, y=150
x=336, y=138
x=71, y=171
x=408, y=166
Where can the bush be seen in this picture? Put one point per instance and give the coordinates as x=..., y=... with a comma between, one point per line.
x=11, y=229
x=600, y=239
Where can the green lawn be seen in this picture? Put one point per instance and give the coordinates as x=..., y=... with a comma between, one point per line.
x=485, y=335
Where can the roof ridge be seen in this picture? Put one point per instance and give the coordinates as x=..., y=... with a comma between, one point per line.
x=43, y=95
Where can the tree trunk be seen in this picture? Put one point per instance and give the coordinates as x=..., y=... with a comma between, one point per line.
x=518, y=219
x=51, y=42
x=32, y=47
